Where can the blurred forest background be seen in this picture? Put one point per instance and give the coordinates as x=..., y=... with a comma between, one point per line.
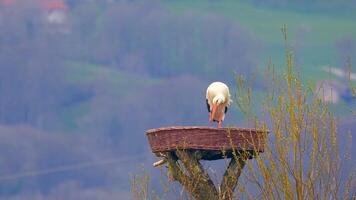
x=81, y=80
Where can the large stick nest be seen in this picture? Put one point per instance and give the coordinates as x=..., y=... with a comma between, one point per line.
x=209, y=143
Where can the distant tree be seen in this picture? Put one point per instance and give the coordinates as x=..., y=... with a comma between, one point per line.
x=30, y=66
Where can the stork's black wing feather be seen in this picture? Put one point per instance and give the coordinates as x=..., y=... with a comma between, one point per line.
x=225, y=109
x=207, y=105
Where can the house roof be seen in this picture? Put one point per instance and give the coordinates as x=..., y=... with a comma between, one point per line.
x=47, y=5
x=51, y=5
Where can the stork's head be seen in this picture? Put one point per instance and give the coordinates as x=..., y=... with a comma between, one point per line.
x=219, y=99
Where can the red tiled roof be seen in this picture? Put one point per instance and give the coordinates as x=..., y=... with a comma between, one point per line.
x=53, y=4
x=48, y=5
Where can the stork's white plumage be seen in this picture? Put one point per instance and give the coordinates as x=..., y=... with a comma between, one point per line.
x=217, y=100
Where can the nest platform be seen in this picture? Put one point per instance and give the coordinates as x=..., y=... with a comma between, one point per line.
x=206, y=143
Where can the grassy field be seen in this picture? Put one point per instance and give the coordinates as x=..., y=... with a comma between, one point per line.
x=111, y=82
x=86, y=73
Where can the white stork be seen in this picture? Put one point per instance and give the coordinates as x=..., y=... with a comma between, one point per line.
x=217, y=100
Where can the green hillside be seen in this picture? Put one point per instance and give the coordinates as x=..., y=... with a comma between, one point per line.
x=316, y=32
x=108, y=81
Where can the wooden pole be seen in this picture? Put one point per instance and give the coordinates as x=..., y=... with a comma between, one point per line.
x=196, y=181
x=231, y=176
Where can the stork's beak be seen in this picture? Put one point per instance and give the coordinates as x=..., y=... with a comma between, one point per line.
x=213, y=110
